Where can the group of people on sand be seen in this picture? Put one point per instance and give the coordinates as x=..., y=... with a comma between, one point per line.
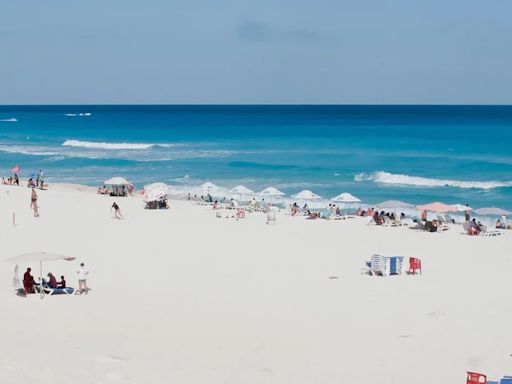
x=11, y=180
x=120, y=191
x=35, y=181
x=30, y=284
x=502, y=225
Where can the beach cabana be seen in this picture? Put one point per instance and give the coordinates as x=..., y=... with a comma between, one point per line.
x=119, y=186
x=36, y=257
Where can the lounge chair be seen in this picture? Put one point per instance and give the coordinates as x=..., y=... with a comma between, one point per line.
x=487, y=232
x=378, y=266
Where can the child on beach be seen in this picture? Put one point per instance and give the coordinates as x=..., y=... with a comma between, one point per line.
x=82, y=279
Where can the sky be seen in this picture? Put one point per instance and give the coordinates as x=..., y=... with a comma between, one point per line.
x=255, y=52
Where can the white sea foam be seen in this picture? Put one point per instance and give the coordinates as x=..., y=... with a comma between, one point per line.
x=61, y=153
x=97, y=145
x=10, y=120
x=398, y=179
x=78, y=114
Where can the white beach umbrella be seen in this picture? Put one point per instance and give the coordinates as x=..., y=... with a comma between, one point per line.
x=151, y=186
x=156, y=194
x=462, y=208
x=492, y=211
x=118, y=180
x=306, y=195
x=271, y=191
x=38, y=257
x=394, y=204
x=346, y=198
x=241, y=190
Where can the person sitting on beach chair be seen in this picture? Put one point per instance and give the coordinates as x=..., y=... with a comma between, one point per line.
x=52, y=281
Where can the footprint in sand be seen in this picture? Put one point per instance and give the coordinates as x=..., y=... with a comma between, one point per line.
x=110, y=360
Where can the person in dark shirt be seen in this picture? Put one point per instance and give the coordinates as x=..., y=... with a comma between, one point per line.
x=28, y=281
x=62, y=282
x=52, y=281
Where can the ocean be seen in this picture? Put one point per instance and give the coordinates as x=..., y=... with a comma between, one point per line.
x=418, y=154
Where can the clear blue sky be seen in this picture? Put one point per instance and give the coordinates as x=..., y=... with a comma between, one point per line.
x=264, y=51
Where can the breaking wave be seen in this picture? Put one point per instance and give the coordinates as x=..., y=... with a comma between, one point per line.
x=11, y=120
x=398, y=179
x=96, y=145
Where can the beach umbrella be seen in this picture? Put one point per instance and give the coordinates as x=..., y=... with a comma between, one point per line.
x=209, y=188
x=241, y=190
x=462, y=208
x=306, y=195
x=118, y=180
x=346, y=198
x=155, y=186
x=271, y=192
x=394, y=204
x=436, y=207
x=16, y=169
x=492, y=211
x=156, y=194
x=38, y=257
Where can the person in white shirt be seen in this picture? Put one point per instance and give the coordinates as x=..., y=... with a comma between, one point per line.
x=82, y=277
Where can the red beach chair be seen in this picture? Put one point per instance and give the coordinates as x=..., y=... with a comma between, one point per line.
x=414, y=265
x=476, y=378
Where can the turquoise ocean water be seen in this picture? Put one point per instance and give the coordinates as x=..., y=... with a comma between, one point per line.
x=455, y=154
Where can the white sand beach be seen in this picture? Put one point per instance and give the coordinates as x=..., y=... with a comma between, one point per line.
x=181, y=296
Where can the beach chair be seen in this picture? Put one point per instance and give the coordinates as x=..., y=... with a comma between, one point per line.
x=395, y=264
x=465, y=227
x=414, y=265
x=486, y=232
x=449, y=219
x=476, y=378
x=379, y=266
x=59, y=291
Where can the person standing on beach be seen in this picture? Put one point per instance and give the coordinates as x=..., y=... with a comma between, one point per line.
x=117, y=211
x=33, y=203
x=467, y=214
x=82, y=279
x=16, y=179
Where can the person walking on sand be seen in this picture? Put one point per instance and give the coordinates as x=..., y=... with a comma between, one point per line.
x=117, y=211
x=33, y=203
x=82, y=279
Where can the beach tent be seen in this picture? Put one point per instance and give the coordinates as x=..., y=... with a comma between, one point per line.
x=241, y=190
x=117, y=183
x=306, y=195
x=156, y=194
x=492, y=211
x=37, y=257
x=436, y=206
